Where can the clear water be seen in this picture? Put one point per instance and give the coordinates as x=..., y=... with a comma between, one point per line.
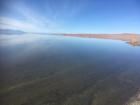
x=59, y=70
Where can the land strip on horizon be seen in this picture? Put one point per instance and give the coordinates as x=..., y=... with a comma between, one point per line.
x=133, y=39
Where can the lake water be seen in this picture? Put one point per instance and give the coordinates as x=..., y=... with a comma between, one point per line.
x=60, y=70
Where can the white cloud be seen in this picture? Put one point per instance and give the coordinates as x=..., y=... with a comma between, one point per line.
x=34, y=17
x=32, y=21
x=36, y=21
x=9, y=23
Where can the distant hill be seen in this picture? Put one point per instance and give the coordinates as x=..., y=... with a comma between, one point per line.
x=10, y=32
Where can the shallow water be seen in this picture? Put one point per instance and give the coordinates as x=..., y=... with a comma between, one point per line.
x=60, y=70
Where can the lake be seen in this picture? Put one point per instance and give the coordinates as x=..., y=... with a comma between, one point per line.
x=62, y=70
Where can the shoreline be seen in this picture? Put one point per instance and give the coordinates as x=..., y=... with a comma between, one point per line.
x=134, y=100
x=132, y=39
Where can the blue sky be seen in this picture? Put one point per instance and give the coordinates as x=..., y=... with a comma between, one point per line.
x=71, y=16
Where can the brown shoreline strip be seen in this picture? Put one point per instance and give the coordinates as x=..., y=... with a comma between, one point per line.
x=132, y=39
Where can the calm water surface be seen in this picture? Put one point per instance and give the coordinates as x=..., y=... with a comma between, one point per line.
x=58, y=70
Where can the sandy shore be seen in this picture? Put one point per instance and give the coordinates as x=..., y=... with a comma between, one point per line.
x=133, y=39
